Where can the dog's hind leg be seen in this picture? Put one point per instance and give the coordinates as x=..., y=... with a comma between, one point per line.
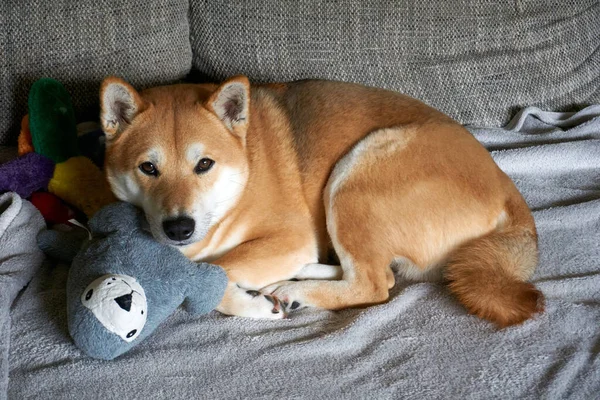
x=364, y=264
x=357, y=211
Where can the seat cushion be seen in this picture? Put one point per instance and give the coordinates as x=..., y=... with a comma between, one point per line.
x=476, y=60
x=81, y=42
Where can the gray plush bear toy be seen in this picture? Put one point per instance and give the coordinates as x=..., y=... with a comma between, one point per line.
x=123, y=283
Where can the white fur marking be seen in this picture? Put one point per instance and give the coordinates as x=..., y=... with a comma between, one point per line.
x=155, y=156
x=320, y=271
x=225, y=193
x=125, y=188
x=502, y=220
x=194, y=152
x=412, y=272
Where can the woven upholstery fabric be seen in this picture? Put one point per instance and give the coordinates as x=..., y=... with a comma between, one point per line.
x=81, y=42
x=476, y=60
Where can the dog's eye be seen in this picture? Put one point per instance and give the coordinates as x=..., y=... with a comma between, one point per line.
x=148, y=168
x=204, y=165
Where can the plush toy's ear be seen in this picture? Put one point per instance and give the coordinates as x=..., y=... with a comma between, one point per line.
x=231, y=103
x=120, y=103
x=62, y=246
x=116, y=216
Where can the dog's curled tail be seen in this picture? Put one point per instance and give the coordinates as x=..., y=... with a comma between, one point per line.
x=489, y=274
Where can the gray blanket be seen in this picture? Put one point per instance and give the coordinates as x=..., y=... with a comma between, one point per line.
x=20, y=257
x=421, y=344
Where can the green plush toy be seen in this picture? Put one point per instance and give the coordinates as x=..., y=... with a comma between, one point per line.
x=52, y=120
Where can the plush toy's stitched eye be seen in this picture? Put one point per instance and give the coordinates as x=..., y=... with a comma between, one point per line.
x=130, y=334
x=148, y=168
x=89, y=294
x=204, y=165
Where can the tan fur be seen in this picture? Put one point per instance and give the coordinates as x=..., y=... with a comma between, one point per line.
x=372, y=175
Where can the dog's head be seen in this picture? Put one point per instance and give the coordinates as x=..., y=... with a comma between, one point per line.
x=178, y=152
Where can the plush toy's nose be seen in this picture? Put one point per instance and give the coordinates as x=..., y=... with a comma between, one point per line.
x=179, y=229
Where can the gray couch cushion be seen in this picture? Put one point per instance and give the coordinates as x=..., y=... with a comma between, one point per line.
x=80, y=42
x=474, y=59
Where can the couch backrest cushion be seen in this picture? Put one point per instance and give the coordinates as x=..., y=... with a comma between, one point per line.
x=477, y=60
x=80, y=42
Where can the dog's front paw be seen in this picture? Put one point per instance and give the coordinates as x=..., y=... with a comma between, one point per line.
x=288, y=293
x=249, y=303
x=265, y=305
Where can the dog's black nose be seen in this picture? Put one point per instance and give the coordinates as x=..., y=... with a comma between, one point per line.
x=179, y=229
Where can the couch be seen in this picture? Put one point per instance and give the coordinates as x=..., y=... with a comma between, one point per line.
x=486, y=63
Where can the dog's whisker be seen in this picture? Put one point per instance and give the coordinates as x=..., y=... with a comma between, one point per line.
x=226, y=200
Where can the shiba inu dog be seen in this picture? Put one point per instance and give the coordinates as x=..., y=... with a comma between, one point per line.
x=270, y=180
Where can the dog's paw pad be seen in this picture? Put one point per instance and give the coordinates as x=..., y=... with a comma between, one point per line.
x=278, y=305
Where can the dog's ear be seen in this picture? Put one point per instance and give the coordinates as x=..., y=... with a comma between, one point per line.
x=119, y=103
x=231, y=103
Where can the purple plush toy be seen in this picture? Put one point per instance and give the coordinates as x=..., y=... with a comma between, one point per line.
x=26, y=174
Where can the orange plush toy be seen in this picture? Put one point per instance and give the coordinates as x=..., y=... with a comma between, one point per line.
x=25, y=144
